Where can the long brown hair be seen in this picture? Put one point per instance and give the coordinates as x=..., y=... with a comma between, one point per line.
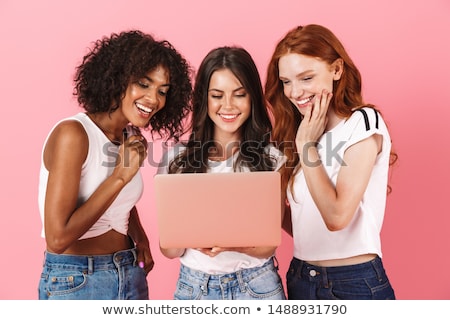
x=255, y=131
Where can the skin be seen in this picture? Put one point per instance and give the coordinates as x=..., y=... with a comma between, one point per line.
x=66, y=151
x=308, y=83
x=229, y=106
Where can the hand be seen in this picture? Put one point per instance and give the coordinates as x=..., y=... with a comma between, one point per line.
x=131, y=156
x=214, y=251
x=314, y=122
x=144, y=258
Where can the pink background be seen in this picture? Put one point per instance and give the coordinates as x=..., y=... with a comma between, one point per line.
x=401, y=48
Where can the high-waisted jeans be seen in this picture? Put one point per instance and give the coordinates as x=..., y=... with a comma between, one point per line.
x=100, y=277
x=364, y=281
x=260, y=283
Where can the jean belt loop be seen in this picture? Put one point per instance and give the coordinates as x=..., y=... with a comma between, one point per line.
x=242, y=284
x=324, y=275
x=378, y=267
x=90, y=265
x=204, y=286
x=135, y=261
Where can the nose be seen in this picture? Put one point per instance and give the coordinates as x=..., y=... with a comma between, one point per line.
x=296, y=90
x=152, y=97
x=227, y=101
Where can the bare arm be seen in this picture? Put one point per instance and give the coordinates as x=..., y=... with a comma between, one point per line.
x=137, y=233
x=64, y=154
x=172, y=252
x=337, y=204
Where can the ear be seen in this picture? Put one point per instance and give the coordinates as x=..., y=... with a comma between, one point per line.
x=337, y=67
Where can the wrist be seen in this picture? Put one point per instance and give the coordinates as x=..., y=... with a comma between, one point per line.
x=308, y=154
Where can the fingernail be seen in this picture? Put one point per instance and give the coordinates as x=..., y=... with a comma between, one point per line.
x=141, y=264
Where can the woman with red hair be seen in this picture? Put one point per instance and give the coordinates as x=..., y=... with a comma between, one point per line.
x=339, y=152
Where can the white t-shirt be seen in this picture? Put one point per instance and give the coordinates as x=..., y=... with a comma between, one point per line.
x=312, y=240
x=228, y=261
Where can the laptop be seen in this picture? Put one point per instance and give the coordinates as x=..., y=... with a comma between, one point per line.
x=204, y=210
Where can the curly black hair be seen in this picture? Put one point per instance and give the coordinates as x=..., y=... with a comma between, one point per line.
x=103, y=76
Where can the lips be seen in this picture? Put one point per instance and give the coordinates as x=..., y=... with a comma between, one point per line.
x=303, y=102
x=143, y=109
x=228, y=117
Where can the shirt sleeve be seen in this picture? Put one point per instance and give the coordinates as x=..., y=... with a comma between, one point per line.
x=363, y=123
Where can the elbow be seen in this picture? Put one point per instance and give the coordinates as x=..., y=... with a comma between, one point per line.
x=337, y=224
x=338, y=219
x=56, y=245
x=172, y=253
x=334, y=227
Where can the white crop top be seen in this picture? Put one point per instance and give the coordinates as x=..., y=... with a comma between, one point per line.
x=99, y=165
x=312, y=240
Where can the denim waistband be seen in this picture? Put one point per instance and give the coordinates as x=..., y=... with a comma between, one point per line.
x=91, y=263
x=304, y=269
x=237, y=278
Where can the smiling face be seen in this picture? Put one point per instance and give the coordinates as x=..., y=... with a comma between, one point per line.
x=146, y=96
x=305, y=77
x=229, y=105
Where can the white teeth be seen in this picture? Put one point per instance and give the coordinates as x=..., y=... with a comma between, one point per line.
x=143, y=108
x=228, y=116
x=303, y=101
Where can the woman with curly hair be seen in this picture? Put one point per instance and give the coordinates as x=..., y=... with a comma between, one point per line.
x=339, y=151
x=96, y=247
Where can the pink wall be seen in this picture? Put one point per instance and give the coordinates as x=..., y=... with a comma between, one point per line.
x=402, y=50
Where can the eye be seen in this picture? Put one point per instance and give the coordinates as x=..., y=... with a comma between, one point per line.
x=285, y=82
x=162, y=93
x=307, y=78
x=216, y=96
x=143, y=84
x=241, y=94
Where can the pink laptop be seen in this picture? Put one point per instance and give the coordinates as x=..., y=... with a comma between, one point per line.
x=203, y=210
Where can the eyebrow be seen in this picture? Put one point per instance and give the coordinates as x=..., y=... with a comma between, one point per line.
x=299, y=75
x=237, y=89
x=151, y=80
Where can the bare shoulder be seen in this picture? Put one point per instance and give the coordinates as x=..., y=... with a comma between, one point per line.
x=68, y=140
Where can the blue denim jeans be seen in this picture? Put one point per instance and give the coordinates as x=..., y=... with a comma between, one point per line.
x=364, y=281
x=260, y=283
x=100, y=277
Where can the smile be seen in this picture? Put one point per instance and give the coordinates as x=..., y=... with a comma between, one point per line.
x=303, y=101
x=143, y=108
x=228, y=116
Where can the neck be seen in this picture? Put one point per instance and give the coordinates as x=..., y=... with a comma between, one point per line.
x=333, y=120
x=223, y=151
x=112, y=128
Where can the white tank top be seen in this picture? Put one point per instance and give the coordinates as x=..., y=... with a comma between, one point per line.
x=99, y=165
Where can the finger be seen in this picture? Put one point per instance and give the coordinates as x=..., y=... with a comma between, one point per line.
x=135, y=138
x=140, y=259
x=325, y=102
x=308, y=112
x=315, y=112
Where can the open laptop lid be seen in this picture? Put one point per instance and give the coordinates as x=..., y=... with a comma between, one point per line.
x=204, y=210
